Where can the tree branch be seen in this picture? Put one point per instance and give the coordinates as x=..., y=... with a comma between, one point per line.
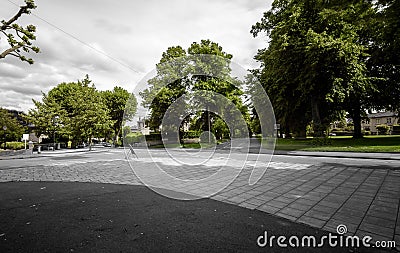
x=21, y=11
x=19, y=37
x=10, y=50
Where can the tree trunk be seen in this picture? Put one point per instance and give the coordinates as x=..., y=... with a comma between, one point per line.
x=287, y=133
x=357, y=120
x=301, y=134
x=316, y=118
x=117, y=136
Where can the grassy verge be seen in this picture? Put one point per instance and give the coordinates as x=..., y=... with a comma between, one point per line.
x=376, y=143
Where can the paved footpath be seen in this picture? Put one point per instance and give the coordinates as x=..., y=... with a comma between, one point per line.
x=365, y=199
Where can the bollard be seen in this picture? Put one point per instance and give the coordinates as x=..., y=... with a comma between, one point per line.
x=38, y=150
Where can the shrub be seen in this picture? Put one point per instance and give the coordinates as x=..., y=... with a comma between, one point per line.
x=365, y=132
x=191, y=134
x=15, y=145
x=321, y=141
x=382, y=129
x=396, y=129
x=133, y=137
x=349, y=128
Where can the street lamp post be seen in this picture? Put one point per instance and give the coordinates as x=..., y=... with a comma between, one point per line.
x=5, y=135
x=54, y=134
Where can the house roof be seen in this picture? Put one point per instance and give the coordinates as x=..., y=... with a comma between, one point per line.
x=381, y=115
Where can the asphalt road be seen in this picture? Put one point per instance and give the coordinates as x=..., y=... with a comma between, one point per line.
x=87, y=217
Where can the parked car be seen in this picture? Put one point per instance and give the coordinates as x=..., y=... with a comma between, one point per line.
x=106, y=144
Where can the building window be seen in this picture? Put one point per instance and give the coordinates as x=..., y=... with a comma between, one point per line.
x=378, y=121
x=389, y=120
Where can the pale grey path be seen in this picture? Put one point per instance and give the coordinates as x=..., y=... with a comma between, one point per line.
x=364, y=195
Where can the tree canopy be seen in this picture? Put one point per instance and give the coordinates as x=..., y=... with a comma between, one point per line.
x=384, y=62
x=14, y=129
x=121, y=106
x=315, y=64
x=178, y=74
x=78, y=111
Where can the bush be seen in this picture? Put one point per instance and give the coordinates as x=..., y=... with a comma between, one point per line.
x=133, y=138
x=15, y=145
x=349, y=128
x=365, y=132
x=396, y=129
x=382, y=129
x=191, y=134
x=118, y=143
x=321, y=141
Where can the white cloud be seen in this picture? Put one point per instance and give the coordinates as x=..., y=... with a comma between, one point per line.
x=118, y=42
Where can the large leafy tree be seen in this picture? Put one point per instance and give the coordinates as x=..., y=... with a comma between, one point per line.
x=121, y=106
x=19, y=38
x=314, y=66
x=74, y=110
x=216, y=78
x=158, y=97
x=385, y=55
x=177, y=76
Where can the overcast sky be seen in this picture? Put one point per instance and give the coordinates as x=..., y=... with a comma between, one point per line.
x=118, y=42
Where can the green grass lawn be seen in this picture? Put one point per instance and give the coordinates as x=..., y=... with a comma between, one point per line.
x=375, y=143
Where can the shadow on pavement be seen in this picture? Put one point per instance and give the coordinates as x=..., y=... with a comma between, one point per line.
x=67, y=217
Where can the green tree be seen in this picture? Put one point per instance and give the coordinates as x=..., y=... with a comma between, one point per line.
x=159, y=97
x=179, y=71
x=385, y=55
x=14, y=128
x=48, y=116
x=121, y=106
x=73, y=110
x=314, y=66
x=19, y=38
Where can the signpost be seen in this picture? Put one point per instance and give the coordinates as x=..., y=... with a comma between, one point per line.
x=25, y=137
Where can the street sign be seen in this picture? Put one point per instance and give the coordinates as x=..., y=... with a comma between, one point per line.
x=25, y=137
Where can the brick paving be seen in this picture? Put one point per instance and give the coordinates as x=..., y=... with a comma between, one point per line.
x=366, y=200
